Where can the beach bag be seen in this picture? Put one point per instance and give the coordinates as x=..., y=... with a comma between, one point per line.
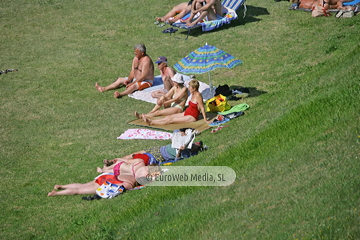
x=218, y=103
x=109, y=190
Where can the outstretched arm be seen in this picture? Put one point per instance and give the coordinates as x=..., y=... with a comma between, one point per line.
x=162, y=100
x=199, y=100
x=131, y=74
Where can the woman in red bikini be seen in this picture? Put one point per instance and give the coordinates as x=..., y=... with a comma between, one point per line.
x=191, y=114
x=125, y=174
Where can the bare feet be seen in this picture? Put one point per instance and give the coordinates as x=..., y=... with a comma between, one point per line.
x=159, y=19
x=137, y=115
x=190, y=24
x=99, y=170
x=99, y=88
x=57, y=187
x=52, y=193
x=117, y=94
x=146, y=120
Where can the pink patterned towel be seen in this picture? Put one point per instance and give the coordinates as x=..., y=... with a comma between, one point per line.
x=145, y=134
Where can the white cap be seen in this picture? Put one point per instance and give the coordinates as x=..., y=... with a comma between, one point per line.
x=178, y=78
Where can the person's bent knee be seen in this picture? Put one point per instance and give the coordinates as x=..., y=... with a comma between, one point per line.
x=154, y=95
x=133, y=87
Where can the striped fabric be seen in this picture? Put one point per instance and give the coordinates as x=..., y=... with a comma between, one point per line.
x=232, y=4
x=204, y=59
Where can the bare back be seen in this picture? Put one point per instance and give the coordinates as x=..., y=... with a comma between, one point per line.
x=168, y=72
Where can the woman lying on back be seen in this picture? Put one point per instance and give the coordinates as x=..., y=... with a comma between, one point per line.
x=124, y=175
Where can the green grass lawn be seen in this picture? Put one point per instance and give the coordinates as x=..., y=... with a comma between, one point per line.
x=295, y=151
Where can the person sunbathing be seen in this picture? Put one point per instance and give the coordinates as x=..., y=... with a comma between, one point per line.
x=173, y=101
x=140, y=77
x=191, y=114
x=125, y=175
x=210, y=9
x=177, y=12
x=155, y=156
x=166, y=73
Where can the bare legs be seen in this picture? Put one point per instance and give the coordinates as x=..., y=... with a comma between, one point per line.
x=75, y=188
x=180, y=15
x=168, y=84
x=183, y=13
x=158, y=93
x=209, y=13
x=173, y=12
x=114, y=85
x=157, y=112
x=175, y=118
x=164, y=112
x=129, y=89
x=206, y=13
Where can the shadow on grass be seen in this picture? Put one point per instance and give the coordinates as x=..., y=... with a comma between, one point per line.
x=253, y=92
x=251, y=12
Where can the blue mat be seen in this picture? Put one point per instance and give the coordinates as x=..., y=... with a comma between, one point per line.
x=351, y=3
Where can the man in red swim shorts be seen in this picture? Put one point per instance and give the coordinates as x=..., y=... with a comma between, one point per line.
x=141, y=75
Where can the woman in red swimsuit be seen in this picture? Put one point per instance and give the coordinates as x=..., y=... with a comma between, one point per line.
x=191, y=114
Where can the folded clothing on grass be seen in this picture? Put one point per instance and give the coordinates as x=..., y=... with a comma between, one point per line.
x=237, y=108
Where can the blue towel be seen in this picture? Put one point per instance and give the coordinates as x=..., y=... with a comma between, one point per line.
x=351, y=3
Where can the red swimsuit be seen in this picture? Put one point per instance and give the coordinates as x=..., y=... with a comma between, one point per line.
x=108, y=177
x=192, y=110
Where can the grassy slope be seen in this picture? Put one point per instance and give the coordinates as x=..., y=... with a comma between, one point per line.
x=295, y=151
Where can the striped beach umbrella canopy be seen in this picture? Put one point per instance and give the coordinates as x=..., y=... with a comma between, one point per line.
x=205, y=59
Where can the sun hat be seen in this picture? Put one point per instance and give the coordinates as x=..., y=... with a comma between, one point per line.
x=178, y=78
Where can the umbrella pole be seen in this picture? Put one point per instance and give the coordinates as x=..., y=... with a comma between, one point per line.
x=211, y=86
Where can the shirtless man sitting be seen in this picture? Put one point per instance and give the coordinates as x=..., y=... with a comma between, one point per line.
x=210, y=9
x=140, y=77
x=166, y=74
